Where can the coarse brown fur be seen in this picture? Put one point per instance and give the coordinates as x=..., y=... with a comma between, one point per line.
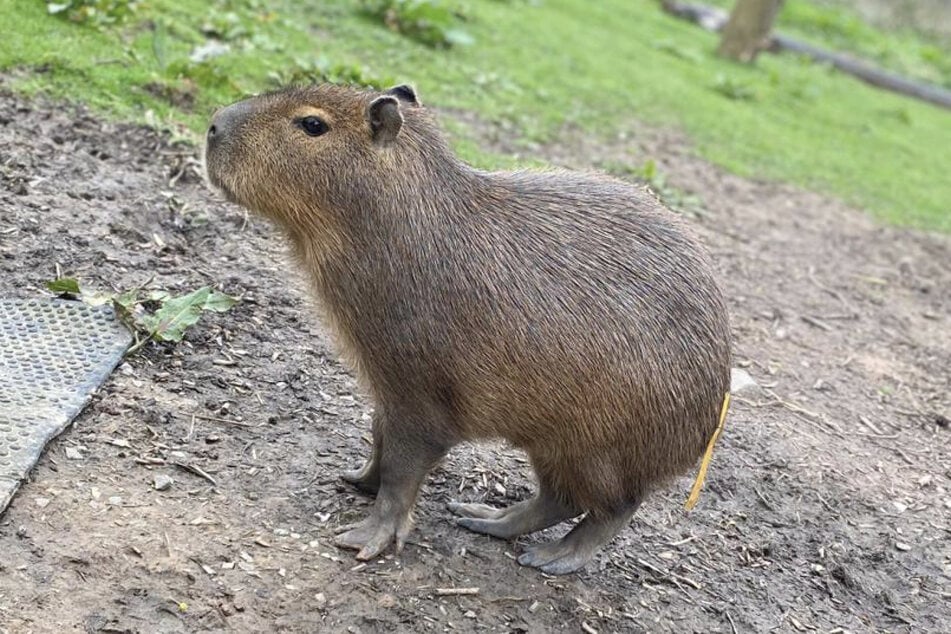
x=570, y=314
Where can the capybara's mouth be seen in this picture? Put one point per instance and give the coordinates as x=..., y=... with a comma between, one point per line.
x=212, y=179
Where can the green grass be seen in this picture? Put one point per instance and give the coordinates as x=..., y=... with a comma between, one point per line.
x=534, y=67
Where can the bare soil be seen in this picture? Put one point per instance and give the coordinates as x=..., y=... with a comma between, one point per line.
x=827, y=506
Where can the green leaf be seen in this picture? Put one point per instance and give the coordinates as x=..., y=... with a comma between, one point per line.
x=177, y=314
x=126, y=301
x=158, y=296
x=68, y=285
x=219, y=302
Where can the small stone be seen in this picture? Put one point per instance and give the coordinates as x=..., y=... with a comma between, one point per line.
x=115, y=500
x=386, y=601
x=469, y=614
x=902, y=546
x=42, y=502
x=320, y=599
x=740, y=380
x=162, y=482
x=73, y=454
x=901, y=508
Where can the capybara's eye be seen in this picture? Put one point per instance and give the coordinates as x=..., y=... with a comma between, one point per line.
x=314, y=126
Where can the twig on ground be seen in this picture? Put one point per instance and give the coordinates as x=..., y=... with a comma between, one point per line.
x=818, y=323
x=455, y=592
x=216, y=419
x=732, y=624
x=198, y=471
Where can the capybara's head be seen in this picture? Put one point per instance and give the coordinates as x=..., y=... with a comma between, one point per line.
x=300, y=156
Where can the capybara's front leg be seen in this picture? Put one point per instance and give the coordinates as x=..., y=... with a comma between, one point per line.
x=407, y=453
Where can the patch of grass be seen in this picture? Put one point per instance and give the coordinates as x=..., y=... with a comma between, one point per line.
x=322, y=70
x=432, y=22
x=732, y=88
x=533, y=69
x=648, y=174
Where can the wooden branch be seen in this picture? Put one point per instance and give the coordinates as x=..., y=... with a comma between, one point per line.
x=710, y=18
x=866, y=72
x=713, y=19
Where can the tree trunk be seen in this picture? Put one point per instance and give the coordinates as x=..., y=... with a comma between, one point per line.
x=747, y=31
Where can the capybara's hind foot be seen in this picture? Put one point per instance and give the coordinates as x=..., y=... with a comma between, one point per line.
x=576, y=549
x=528, y=516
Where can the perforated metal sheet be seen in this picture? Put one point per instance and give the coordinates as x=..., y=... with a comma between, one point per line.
x=53, y=356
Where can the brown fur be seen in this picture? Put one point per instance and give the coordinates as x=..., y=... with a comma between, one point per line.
x=567, y=313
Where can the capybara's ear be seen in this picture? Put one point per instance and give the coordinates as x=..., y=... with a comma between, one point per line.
x=385, y=119
x=405, y=92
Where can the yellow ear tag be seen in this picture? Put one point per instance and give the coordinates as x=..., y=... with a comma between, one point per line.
x=698, y=483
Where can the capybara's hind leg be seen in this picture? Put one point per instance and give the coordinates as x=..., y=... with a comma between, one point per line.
x=528, y=516
x=577, y=548
x=405, y=459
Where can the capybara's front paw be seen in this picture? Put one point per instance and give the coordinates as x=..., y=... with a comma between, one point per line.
x=373, y=535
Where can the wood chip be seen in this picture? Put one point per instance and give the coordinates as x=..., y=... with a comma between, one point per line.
x=453, y=592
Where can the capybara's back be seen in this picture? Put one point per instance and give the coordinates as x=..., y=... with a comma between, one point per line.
x=570, y=314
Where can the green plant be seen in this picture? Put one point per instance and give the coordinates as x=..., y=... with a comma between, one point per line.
x=322, y=70
x=648, y=174
x=154, y=315
x=432, y=22
x=734, y=88
x=97, y=12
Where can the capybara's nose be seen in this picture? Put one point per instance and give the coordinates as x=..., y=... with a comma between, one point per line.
x=226, y=121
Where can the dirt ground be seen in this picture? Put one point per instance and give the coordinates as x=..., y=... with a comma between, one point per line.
x=827, y=507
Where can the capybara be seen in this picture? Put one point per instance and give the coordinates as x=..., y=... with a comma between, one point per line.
x=570, y=314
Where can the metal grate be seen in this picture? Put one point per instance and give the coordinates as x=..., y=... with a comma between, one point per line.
x=53, y=356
